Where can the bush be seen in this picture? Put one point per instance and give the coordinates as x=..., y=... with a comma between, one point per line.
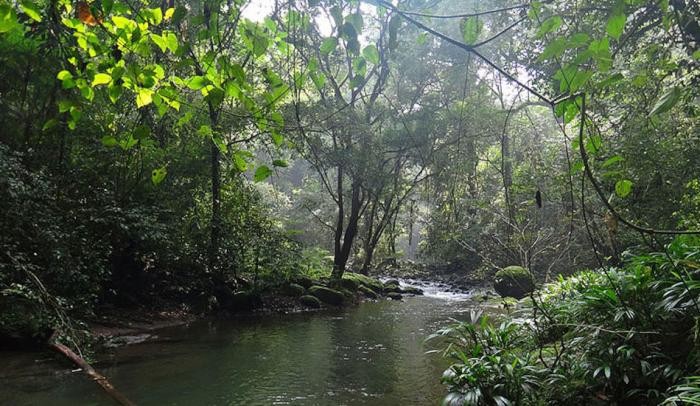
x=617, y=335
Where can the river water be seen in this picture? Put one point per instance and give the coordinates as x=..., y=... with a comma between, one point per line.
x=370, y=354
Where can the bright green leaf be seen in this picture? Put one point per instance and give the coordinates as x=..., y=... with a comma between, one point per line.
x=261, y=173
x=471, y=29
x=158, y=175
x=101, y=79
x=616, y=24
x=623, y=188
x=32, y=10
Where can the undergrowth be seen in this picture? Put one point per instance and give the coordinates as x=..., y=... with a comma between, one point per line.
x=625, y=336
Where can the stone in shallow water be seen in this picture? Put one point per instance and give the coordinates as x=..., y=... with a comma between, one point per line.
x=394, y=296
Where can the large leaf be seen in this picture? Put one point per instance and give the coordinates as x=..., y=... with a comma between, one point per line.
x=262, y=173
x=328, y=45
x=666, y=101
x=616, y=24
x=32, y=10
x=371, y=54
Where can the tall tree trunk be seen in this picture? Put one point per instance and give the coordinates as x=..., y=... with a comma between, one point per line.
x=341, y=259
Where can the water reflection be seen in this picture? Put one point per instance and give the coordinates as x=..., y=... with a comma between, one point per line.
x=372, y=354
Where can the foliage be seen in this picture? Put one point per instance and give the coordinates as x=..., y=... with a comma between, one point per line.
x=623, y=335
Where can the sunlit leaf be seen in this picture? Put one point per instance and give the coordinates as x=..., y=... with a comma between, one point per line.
x=262, y=172
x=101, y=79
x=158, y=175
x=32, y=10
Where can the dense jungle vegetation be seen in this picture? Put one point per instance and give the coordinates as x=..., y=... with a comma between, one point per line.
x=206, y=157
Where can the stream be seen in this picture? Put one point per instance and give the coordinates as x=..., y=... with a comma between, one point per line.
x=370, y=354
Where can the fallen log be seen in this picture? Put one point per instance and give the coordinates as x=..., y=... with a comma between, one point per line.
x=90, y=371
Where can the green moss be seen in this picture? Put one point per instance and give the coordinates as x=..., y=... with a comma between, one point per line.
x=364, y=280
x=327, y=295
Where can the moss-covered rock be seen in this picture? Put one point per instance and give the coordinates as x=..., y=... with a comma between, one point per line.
x=293, y=290
x=310, y=301
x=394, y=296
x=392, y=288
x=327, y=295
x=392, y=282
x=349, y=284
x=302, y=280
x=364, y=280
x=513, y=281
x=367, y=292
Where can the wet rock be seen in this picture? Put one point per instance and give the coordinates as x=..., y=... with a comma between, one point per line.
x=310, y=301
x=369, y=293
x=394, y=296
x=513, y=281
x=412, y=290
x=363, y=280
x=327, y=295
x=392, y=288
x=392, y=282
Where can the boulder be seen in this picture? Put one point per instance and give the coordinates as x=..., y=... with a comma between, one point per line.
x=293, y=290
x=310, y=301
x=513, y=281
x=394, y=296
x=327, y=295
x=364, y=280
x=349, y=284
x=392, y=288
x=302, y=280
x=412, y=290
x=244, y=300
x=369, y=293
x=392, y=282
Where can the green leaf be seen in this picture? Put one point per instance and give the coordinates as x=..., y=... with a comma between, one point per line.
x=261, y=173
x=623, y=187
x=8, y=18
x=196, y=82
x=616, y=24
x=101, y=79
x=204, y=131
x=144, y=97
x=31, y=10
x=356, y=21
x=696, y=54
x=172, y=42
x=666, y=101
x=601, y=53
x=549, y=25
x=328, y=45
x=612, y=161
x=371, y=54
x=158, y=175
x=471, y=29
x=109, y=141
x=280, y=163
x=64, y=75
x=239, y=161
x=160, y=41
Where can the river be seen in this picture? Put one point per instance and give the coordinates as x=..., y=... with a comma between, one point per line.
x=370, y=354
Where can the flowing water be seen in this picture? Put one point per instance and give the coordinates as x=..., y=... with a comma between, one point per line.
x=370, y=354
